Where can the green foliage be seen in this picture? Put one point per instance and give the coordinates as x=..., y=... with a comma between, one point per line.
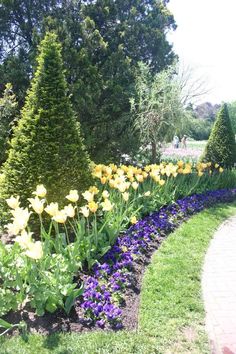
x=163, y=281
x=102, y=43
x=157, y=107
x=198, y=129
x=221, y=146
x=46, y=147
x=232, y=114
x=8, y=112
x=47, y=283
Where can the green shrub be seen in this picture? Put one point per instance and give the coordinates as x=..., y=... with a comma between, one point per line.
x=46, y=146
x=221, y=146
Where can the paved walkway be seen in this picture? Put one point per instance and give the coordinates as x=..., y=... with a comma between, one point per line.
x=219, y=289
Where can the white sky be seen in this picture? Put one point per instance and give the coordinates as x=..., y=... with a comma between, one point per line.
x=206, y=40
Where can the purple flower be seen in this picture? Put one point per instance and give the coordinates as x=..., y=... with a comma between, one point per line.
x=114, y=272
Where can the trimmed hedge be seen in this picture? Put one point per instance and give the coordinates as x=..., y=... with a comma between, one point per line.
x=221, y=146
x=46, y=147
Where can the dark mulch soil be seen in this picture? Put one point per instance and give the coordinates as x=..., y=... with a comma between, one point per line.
x=60, y=322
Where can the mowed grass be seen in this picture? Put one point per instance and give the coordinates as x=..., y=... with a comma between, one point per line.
x=171, y=318
x=197, y=144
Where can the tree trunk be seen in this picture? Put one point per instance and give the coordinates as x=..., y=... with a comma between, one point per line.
x=154, y=152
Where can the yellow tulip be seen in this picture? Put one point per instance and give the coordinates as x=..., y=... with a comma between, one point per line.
x=52, y=209
x=21, y=217
x=60, y=217
x=73, y=196
x=13, y=202
x=145, y=174
x=221, y=169
x=105, y=194
x=122, y=187
x=37, y=204
x=113, y=167
x=94, y=190
x=69, y=210
x=106, y=205
x=103, y=180
x=93, y=206
x=125, y=196
x=147, y=194
x=13, y=228
x=40, y=191
x=135, y=185
x=35, y=250
x=97, y=174
x=162, y=182
x=88, y=196
x=24, y=240
x=147, y=168
x=180, y=163
x=108, y=171
x=133, y=220
x=112, y=183
x=140, y=178
x=120, y=172
x=85, y=211
x=200, y=173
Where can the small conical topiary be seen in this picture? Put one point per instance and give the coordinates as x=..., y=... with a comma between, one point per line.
x=46, y=147
x=221, y=146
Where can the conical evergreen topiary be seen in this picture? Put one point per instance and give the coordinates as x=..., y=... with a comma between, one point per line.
x=46, y=146
x=221, y=146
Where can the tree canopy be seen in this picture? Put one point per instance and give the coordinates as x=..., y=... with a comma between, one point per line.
x=103, y=41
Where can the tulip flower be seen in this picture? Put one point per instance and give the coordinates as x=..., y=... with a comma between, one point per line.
x=37, y=204
x=13, y=202
x=40, y=191
x=93, y=207
x=69, y=210
x=125, y=196
x=35, y=250
x=133, y=220
x=60, y=217
x=94, y=190
x=25, y=239
x=85, y=211
x=52, y=209
x=73, y=196
x=105, y=194
x=88, y=196
x=107, y=205
x=135, y=185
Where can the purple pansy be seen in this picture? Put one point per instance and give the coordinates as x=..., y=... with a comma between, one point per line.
x=99, y=302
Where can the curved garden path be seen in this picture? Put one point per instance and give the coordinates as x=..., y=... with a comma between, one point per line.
x=219, y=289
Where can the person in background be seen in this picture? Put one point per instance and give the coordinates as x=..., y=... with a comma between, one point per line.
x=176, y=142
x=184, y=142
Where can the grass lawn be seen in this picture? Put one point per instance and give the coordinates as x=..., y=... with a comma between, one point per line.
x=197, y=144
x=171, y=316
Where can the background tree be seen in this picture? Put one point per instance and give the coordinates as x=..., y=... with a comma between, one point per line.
x=232, y=114
x=221, y=146
x=103, y=41
x=8, y=112
x=157, y=108
x=46, y=146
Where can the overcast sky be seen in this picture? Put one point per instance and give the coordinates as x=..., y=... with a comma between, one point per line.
x=206, y=40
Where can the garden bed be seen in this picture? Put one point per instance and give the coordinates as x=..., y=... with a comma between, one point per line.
x=111, y=291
